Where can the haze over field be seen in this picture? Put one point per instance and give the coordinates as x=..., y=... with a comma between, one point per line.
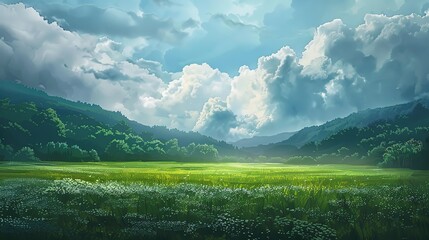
x=229, y=69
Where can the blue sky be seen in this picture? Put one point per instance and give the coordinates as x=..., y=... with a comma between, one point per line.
x=229, y=69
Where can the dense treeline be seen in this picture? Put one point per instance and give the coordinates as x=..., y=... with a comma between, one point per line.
x=28, y=132
x=400, y=142
x=37, y=126
x=82, y=113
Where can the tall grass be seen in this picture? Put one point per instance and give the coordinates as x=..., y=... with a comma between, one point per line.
x=211, y=201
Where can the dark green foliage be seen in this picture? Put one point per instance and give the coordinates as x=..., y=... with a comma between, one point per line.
x=6, y=152
x=185, y=138
x=122, y=126
x=325, y=208
x=81, y=118
x=93, y=155
x=62, y=130
x=25, y=154
x=61, y=151
x=90, y=131
x=374, y=155
x=117, y=150
x=24, y=124
x=48, y=127
x=173, y=150
x=202, y=151
x=402, y=154
x=155, y=149
x=417, y=110
x=398, y=142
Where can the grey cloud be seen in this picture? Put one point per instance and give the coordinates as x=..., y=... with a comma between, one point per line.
x=115, y=72
x=190, y=23
x=232, y=22
x=402, y=76
x=109, y=21
x=344, y=68
x=92, y=19
x=382, y=62
x=155, y=68
x=108, y=74
x=66, y=64
x=27, y=56
x=293, y=25
x=216, y=120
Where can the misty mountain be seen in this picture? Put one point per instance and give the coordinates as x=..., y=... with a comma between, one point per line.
x=262, y=140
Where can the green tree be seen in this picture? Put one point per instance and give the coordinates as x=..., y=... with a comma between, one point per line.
x=49, y=126
x=55, y=151
x=123, y=127
x=402, y=154
x=343, y=151
x=54, y=121
x=77, y=154
x=117, y=150
x=375, y=155
x=191, y=147
x=93, y=156
x=6, y=152
x=204, y=152
x=25, y=154
x=173, y=149
x=138, y=153
x=155, y=149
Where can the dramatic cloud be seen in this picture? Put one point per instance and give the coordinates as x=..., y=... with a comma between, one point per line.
x=114, y=22
x=67, y=64
x=225, y=34
x=345, y=67
x=381, y=62
x=110, y=21
x=181, y=101
x=215, y=119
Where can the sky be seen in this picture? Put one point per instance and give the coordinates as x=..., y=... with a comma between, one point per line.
x=228, y=69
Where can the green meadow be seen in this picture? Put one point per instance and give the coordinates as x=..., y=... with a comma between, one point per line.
x=169, y=200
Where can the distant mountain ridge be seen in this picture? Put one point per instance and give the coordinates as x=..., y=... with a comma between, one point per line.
x=358, y=119
x=18, y=93
x=396, y=136
x=262, y=140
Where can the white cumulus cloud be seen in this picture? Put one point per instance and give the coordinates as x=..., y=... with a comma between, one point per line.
x=344, y=68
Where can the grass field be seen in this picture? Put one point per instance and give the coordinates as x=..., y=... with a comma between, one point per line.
x=168, y=200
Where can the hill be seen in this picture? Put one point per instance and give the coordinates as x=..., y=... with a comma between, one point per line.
x=58, y=127
x=262, y=140
x=398, y=136
x=358, y=119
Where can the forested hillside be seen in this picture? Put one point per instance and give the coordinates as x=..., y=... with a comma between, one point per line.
x=262, y=140
x=18, y=93
x=402, y=141
x=34, y=125
x=359, y=119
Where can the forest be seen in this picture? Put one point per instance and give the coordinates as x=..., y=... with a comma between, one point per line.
x=30, y=133
x=33, y=128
